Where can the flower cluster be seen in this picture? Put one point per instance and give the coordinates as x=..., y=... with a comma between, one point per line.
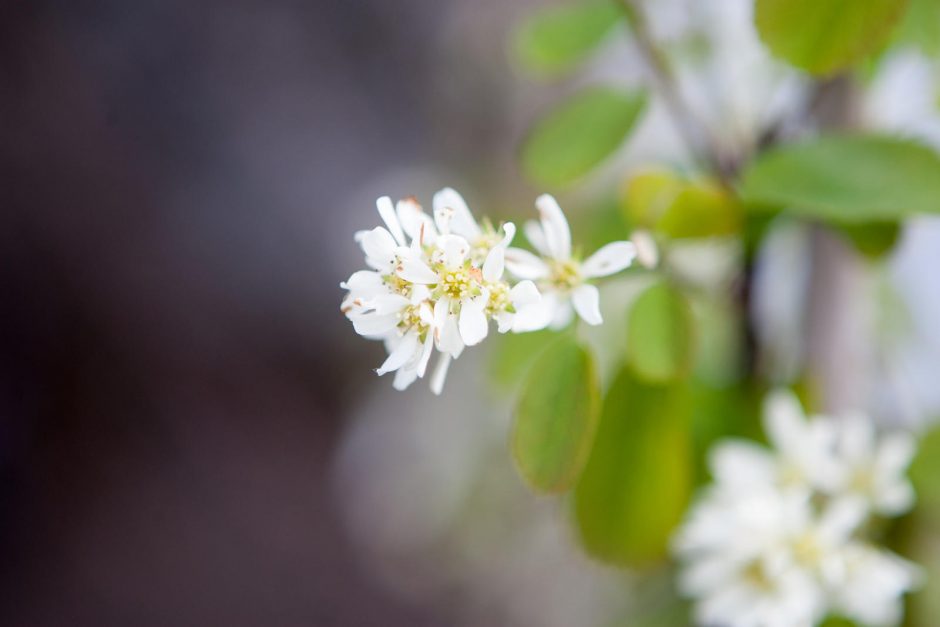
x=562, y=278
x=779, y=538
x=436, y=282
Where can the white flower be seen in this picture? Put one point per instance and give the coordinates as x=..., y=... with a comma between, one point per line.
x=434, y=283
x=873, y=585
x=801, y=458
x=756, y=559
x=778, y=539
x=562, y=279
x=872, y=468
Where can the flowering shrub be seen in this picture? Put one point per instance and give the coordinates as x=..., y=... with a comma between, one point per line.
x=775, y=181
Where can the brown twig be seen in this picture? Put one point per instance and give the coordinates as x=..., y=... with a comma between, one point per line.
x=693, y=131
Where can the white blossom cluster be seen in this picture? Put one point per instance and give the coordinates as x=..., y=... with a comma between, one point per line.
x=779, y=539
x=437, y=282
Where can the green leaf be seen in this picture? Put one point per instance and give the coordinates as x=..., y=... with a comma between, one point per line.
x=579, y=134
x=554, y=40
x=513, y=354
x=638, y=479
x=660, y=334
x=921, y=26
x=847, y=179
x=679, y=208
x=556, y=417
x=873, y=239
x=824, y=36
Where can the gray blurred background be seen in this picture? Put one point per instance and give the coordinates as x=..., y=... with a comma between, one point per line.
x=181, y=182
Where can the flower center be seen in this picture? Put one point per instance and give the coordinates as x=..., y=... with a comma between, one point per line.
x=460, y=283
x=565, y=275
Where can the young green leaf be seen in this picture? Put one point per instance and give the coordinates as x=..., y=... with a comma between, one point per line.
x=824, y=36
x=638, y=478
x=847, y=179
x=554, y=40
x=873, y=239
x=556, y=417
x=667, y=203
x=660, y=334
x=579, y=134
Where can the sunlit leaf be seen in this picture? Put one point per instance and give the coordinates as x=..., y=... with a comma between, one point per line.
x=637, y=481
x=556, y=417
x=824, y=36
x=667, y=203
x=556, y=39
x=579, y=134
x=660, y=334
x=847, y=179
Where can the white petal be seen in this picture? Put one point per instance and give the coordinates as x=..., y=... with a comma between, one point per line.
x=555, y=227
x=536, y=236
x=387, y=211
x=495, y=260
x=472, y=323
x=425, y=354
x=586, y=301
x=524, y=293
x=895, y=453
x=784, y=420
x=564, y=314
x=416, y=223
x=365, y=284
x=504, y=321
x=449, y=340
x=841, y=518
x=646, y=252
x=896, y=499
x=453, y=250
x=440, y=373
x=461, y=220
x=419, y=293
x=609, y=259
x=537, y=315
x=411, y=268
x=742, y=464
x=388, y=304
x=400, y=356
x=379, y=247
x=403, y=378
x=524, y=265
x=372, y=324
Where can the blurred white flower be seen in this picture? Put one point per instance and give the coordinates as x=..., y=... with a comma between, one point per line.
x=873, y=468
x=778, y=538
x=801, y=457
x=562, y=279
x=438, y=290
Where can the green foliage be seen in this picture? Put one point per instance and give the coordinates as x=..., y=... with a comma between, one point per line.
x=660, y=334
x=663, y=201
x=825, y=36
x=638, y=479
x=513, y=354
x=847, y=179
x=554, y=40
x=873, y=239
x=556, y=417
x=579, y=134
x=921, y=26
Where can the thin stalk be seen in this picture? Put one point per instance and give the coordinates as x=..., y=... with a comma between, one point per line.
x=693, y=131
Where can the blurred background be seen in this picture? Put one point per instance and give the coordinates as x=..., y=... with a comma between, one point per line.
x=190, y=431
